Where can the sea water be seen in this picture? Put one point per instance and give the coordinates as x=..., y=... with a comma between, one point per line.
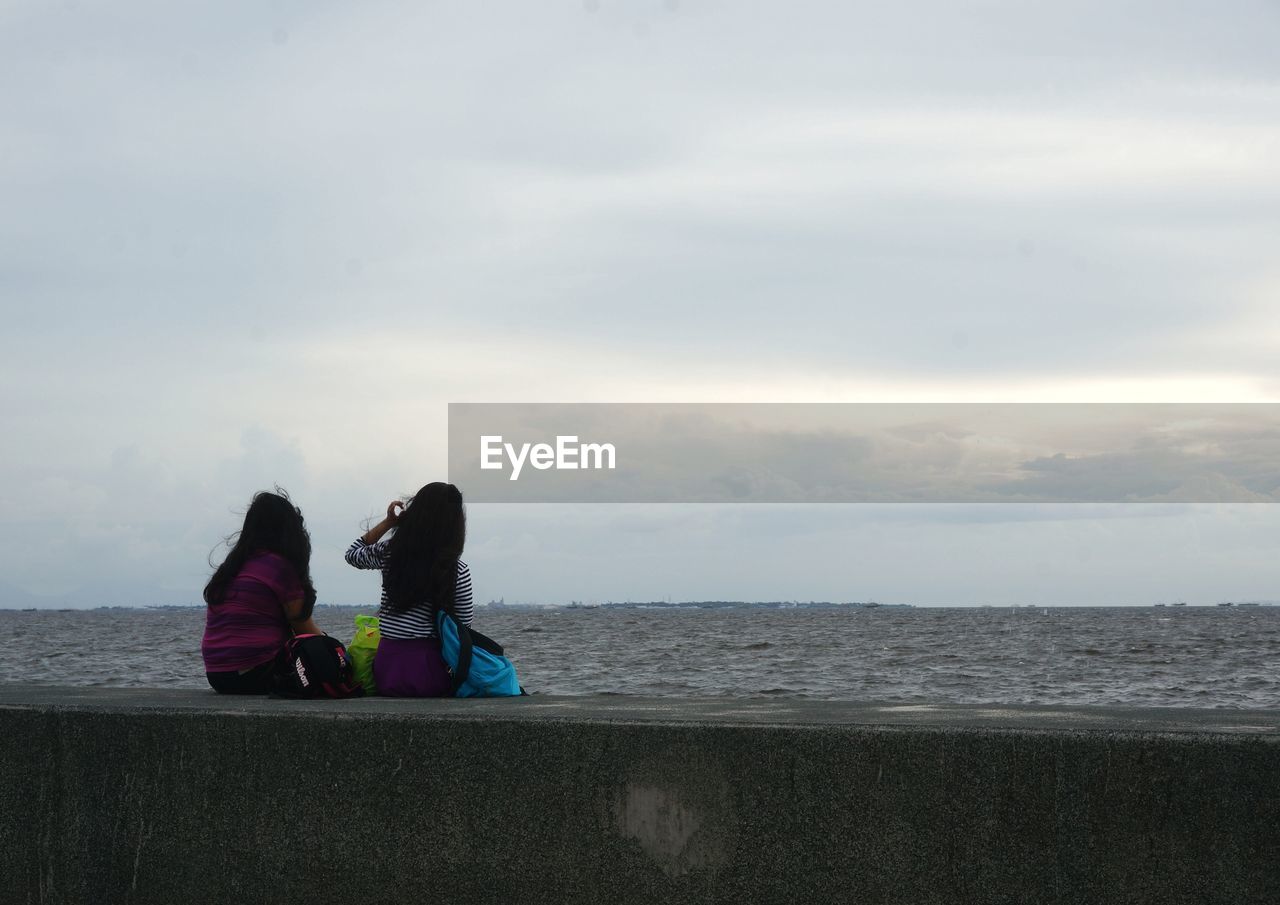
x=1157, y=656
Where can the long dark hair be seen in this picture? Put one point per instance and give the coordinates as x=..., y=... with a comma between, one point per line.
x=272, y=523
x=422, y=555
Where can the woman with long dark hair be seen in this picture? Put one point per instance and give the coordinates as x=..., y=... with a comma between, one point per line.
x=421, y=575
x=260, y=594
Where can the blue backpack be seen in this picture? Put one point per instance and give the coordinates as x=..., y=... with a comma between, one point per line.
x=480, y=670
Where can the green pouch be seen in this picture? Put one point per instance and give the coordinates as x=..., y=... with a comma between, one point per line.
x=362, y=649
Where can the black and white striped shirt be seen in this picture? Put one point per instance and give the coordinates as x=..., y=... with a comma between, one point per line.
x=418, y=622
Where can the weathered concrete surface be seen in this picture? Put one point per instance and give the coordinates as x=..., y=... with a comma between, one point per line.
x=121, y=796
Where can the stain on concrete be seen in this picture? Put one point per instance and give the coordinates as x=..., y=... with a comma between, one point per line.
x=662, y=824
x=678, y=808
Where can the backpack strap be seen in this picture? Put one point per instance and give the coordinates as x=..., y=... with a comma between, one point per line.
x=464, y=656
x=485, y=643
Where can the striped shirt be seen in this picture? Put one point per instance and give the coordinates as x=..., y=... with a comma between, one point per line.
x=419, y=621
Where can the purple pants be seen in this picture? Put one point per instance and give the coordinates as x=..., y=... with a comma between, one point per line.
x=411, y=668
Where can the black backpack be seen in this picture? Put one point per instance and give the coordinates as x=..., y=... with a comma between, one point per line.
x=315, y=666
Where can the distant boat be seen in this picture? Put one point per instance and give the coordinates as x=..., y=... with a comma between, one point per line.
x=1159, y=604
x=1179, y=603
x=1226, y=603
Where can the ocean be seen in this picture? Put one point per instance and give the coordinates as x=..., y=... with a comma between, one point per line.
x=1150, y=656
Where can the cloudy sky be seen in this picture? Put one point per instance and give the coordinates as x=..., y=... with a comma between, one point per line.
x=246, y=244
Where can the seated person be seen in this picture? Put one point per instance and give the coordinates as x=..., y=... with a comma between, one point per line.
x=421, y=574
x=258, y=598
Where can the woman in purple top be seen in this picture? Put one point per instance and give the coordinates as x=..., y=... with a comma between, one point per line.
x=258, y=597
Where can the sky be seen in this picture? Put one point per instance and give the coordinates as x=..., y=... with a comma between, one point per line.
x=249, y=244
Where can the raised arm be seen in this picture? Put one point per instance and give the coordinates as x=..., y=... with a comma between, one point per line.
x=366, y=552
x=365, y=556
x=374, y=534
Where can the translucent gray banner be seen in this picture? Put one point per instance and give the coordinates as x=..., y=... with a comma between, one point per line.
x=865, y=453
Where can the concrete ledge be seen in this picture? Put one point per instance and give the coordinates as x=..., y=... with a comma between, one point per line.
x=174, y=796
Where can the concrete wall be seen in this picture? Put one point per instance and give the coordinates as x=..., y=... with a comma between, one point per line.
x=185, y=797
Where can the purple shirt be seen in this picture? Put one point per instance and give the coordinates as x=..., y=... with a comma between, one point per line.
x=249, y=627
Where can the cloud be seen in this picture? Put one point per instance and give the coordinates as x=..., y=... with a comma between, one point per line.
x=134, y=518
x=1222, y=458
x=943, y=555
x=999, y=193
x=325, y=222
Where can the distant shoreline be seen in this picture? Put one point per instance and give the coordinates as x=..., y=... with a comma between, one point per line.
x=498, y=606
